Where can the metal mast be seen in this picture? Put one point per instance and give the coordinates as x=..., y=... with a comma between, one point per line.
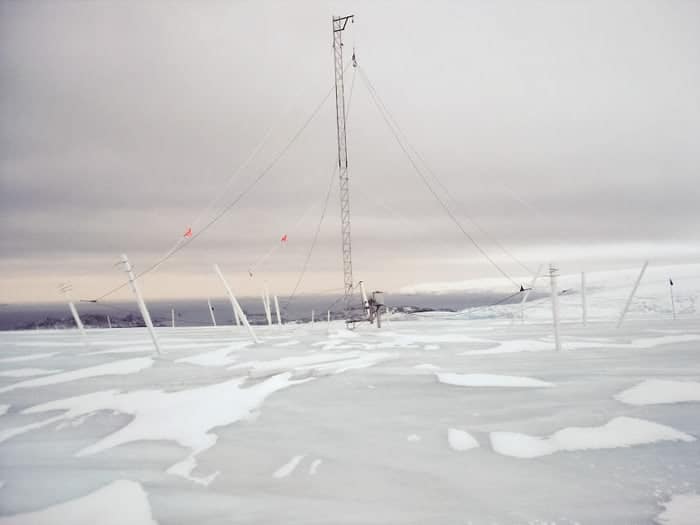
x=339, y=24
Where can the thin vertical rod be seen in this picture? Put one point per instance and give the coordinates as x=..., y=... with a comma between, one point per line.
x=172, y=317
x=139, y=300
x=211, y=312
x=555, y=306
x=277, y=311
x=673, y=302
x=266, y=305
x=634, y=291
x=109, y=322
x=527, y=292
x=584, y=311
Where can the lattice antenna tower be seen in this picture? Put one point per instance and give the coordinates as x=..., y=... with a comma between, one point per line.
x=339, y=24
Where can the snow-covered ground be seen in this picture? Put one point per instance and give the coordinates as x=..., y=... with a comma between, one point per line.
x=436, y=419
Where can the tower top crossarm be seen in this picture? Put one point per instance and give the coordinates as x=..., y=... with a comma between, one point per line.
x=339, y=22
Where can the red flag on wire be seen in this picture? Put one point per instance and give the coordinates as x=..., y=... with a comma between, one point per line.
x=188, y=233
x=284, y=238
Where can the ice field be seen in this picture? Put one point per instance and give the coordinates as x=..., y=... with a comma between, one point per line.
x=435, y=418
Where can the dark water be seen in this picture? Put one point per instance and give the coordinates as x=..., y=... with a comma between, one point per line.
x=195, y=312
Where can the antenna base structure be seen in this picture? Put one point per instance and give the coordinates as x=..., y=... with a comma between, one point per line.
x=339, y=24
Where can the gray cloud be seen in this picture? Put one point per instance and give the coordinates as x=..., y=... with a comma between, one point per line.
x=120, y=121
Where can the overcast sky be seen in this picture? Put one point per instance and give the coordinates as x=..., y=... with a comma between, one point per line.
x=569, y=131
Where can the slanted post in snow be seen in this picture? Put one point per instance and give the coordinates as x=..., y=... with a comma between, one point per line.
x=237, y=310
x=277, y=311
x=109, y=322
x=634, y=290
x=584, y=313
x=555, y=305
x=527, y=292
x=673, y=302
x=236, y=317
x=266, y=305
x=139, y=300
x=329, y=321
x=211, y=312
x=172, y=317
x=65, y=290
x=313, y=314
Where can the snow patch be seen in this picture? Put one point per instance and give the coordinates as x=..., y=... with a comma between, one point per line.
x=313, y=468
x=490, y=380
x=426, y=366
x=4, y=409
x=618, y=432
x=682, y=509
x=289, y=467
x=460, y=440
x=93, y=509
x=660, y=391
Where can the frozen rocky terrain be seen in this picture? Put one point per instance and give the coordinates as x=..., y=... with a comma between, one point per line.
x=436, y=418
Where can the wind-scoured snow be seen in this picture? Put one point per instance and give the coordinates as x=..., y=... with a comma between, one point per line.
x=27, y=357
x=618, y=432
x=9, y=433
x=185, y=417
x=119, y=503
x=490, y=380
x=125, y=367
x=659, y=391
x=681, y=509
x=220, y=357
x=4, y=409
x=27, y=372
x=323, y=363
x=382, y=428
x=460, y=440
x=509, y=347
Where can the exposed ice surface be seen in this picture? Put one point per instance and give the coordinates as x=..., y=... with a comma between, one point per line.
x=619, y=432
x=27, y=357
x=127, y=366
x=460, y=440
x=490, y=380
x=122, y=502
x=220, y=357
x=682, y=509
x=203, y=428
x=185, y=417
x=660, y=391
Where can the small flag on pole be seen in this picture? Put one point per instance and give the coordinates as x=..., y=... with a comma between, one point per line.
x=284, y=238
x=188, y=233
